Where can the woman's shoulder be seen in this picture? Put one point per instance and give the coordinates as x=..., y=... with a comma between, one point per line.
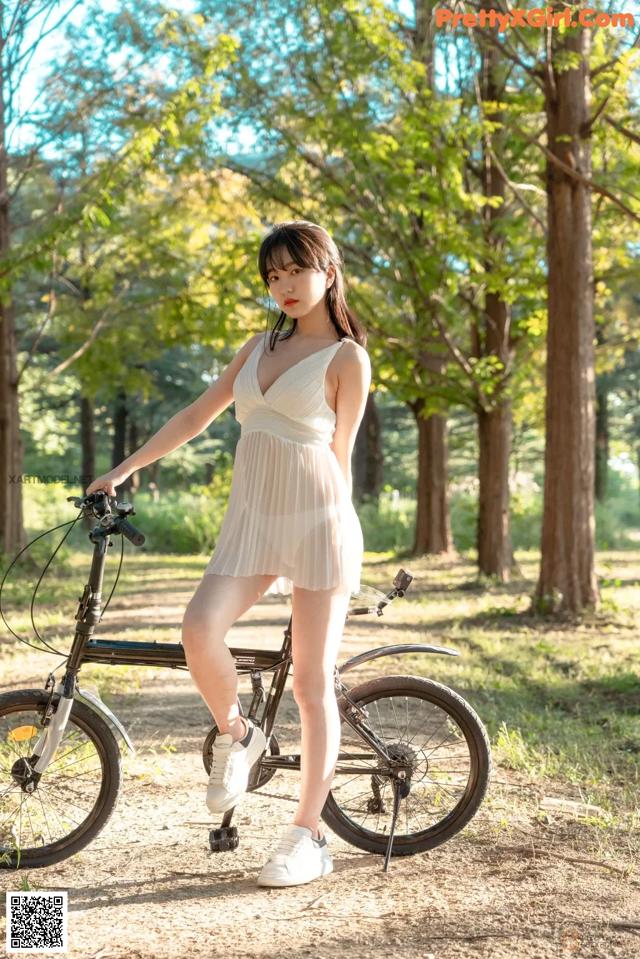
x=353, y=353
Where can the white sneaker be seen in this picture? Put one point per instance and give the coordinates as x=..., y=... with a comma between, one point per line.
x=298, y=858
x=231, y=765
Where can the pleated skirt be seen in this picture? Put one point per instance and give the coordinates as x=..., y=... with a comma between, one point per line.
x=289, y=514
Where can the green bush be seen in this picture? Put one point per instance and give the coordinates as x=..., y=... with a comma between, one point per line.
x=384, y=527
x=181, y=522
x=189, y=521
x=615, y=518
x=463, y=512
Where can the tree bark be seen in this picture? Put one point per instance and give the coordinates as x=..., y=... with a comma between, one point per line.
x=433, y=526
x=425, y=37
x=368, y=456
x=567, y=580
x=12, y=533
x=433, y=523
x=495, y=554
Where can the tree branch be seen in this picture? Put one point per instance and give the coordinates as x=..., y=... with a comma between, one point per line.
x=625, y=132
x=583, y=179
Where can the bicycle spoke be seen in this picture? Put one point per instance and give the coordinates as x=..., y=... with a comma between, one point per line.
x=440, y=744
x=69, y=753
x=72, y=820
x=422, y=735
x=63, y=800
x=44, y=814
x=393, y=706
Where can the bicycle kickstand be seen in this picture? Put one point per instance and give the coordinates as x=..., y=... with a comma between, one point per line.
x=400, y=790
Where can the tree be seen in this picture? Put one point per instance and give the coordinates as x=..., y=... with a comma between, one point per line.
x=17, y=20
x=563, y=67
x=567, y=579
x=106, y=136
x=354, y=134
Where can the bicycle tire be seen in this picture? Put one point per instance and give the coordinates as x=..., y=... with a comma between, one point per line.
x=106, y=745
x=480, y=758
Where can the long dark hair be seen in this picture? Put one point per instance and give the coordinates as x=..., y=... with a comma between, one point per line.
x=309, y=245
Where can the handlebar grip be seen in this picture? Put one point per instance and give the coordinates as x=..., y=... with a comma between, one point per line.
x=132, y=534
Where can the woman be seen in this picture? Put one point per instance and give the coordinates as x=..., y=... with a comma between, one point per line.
x=290, y=525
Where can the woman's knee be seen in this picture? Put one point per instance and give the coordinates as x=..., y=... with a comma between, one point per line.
x=201, y=627
x=312, y=691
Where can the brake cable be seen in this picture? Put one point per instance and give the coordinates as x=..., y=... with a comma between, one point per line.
x=50, y=648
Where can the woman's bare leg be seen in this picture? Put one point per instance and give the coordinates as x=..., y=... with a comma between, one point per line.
x=214, y=607
x=317, y=628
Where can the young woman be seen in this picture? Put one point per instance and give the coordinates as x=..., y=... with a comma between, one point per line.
x=290, y=525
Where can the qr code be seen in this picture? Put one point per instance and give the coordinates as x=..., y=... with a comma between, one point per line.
x=36, y=921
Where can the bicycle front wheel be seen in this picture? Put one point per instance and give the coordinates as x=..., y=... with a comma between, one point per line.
x=76, y=794
x=439, y=741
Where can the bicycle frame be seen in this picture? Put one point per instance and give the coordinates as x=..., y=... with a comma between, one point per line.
x=85, y=649
x=375, y=759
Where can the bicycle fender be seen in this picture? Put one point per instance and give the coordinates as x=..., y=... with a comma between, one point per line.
x=395, y=650
x=101, y=707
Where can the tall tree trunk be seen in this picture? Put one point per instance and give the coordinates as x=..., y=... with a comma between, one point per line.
x=567, y=579
x=12, y=534
x=602, y=439
x=368, y=457
x=433, y=523
x=424, y=37
x=495, y=555
x=11, y=452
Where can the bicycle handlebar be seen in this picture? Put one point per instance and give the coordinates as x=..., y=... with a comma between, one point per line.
x=132, y=534
x=100, y=505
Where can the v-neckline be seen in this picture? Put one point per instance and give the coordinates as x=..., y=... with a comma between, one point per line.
x=263, y=396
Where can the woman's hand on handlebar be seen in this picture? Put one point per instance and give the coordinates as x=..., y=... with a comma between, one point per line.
x=108, y=482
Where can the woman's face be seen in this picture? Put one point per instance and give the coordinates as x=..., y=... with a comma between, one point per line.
x=300, y=283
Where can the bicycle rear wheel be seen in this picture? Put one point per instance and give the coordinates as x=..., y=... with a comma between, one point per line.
x=441, y=743
x=77, y=792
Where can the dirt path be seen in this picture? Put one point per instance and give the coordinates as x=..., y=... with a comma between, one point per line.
x=513, y=884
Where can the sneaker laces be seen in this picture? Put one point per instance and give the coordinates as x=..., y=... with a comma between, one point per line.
x=288, y=846
x=221, y=765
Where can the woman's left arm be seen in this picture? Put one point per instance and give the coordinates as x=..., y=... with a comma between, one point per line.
x=354, y=380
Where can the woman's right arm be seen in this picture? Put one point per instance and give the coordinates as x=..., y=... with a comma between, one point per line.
x=182, y=427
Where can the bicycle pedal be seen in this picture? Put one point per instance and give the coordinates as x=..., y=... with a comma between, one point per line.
x=223, y=839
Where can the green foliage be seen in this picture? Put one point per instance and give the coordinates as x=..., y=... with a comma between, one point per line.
x=560, y=702
x=182, y=522
x=617, y=520
x=152, y=241
x=385, y=528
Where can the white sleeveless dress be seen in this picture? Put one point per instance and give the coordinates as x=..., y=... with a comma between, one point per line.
x=290, y=511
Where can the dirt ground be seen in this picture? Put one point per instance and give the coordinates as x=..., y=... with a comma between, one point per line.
x=513, y=884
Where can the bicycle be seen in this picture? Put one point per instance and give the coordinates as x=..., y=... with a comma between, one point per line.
x=60, y=761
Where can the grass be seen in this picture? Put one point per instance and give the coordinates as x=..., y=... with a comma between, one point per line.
x=560, y=699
